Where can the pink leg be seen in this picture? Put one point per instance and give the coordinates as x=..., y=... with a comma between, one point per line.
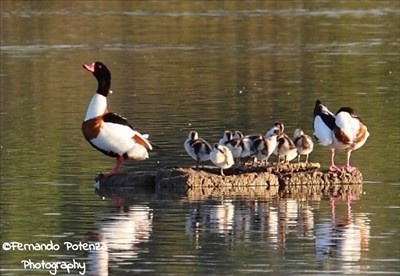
x=334, y=199
x=120, y=159
x=349, y=198
x=333, y=167
x=348, y=167
x=348, y=204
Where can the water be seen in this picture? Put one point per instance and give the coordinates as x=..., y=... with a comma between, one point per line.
x=208, y=66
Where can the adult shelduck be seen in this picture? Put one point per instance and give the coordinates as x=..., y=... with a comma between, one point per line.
x=343, y=130
x=108, y=132
x=197, y=148
x=304, y=144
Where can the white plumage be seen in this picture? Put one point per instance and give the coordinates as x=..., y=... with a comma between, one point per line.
x=222, y=157
x=197, y=148
x=344, y=131
x=304, y=144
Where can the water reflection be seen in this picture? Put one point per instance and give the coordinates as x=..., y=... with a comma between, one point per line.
x=97, y=259
x=282, y=222
x=343, y=237
x=121, y=231
x=217, y=218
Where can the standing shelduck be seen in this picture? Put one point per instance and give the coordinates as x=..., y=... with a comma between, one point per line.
x=343, y=130
x=303, y=142
x=222, y=157
x=108, y=132
x=197, y=148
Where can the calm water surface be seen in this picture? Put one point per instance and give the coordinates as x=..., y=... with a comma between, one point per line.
x=208, y=66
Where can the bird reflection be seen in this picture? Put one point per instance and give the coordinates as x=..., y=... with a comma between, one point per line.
x=343, y=238
x=121, y=231
x=241, y=219
x=281, y=222
x=221, y=217
x=98, y=258
x=215, y=218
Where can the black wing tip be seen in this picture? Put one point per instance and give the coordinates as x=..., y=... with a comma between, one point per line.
x=317, y=108
x=154, y=145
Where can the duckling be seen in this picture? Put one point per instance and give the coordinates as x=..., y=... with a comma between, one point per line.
x=286, y=148
x=226, y=137
x=222, y=157
x=304, y=144
x=277, y=129
x=246, y=143
x=197, y=148
x=264, y=147
x=233, y=142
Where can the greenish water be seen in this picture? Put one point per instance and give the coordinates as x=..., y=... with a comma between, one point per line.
x=208, y=66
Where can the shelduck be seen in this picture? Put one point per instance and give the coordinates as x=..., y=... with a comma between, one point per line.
x=222, y=157
x=343, y=131
x=276, y=129
x=197, y=148
x=285, y=147
x=233, y=141
x=228, y=135
x=264, y=147
x=246, y=143
x=109, y=132
x=304, y=144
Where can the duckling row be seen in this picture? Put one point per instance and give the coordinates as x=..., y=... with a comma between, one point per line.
x=236, y=146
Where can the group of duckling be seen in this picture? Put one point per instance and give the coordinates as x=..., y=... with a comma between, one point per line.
x=234, y=146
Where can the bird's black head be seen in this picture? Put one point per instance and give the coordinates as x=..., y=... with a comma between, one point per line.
x=348, y=110
x=103, y=76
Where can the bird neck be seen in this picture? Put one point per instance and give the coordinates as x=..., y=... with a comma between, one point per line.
x=97, y=106
x=103, y=87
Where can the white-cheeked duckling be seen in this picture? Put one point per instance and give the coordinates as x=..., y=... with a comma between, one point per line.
x=234, y=142
x=264, y=147
x=277, y=129
x=197, y=148
x=246, y=143
x=304, y=144
x=222, y=157
x=285, y=147
x=226, y=137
